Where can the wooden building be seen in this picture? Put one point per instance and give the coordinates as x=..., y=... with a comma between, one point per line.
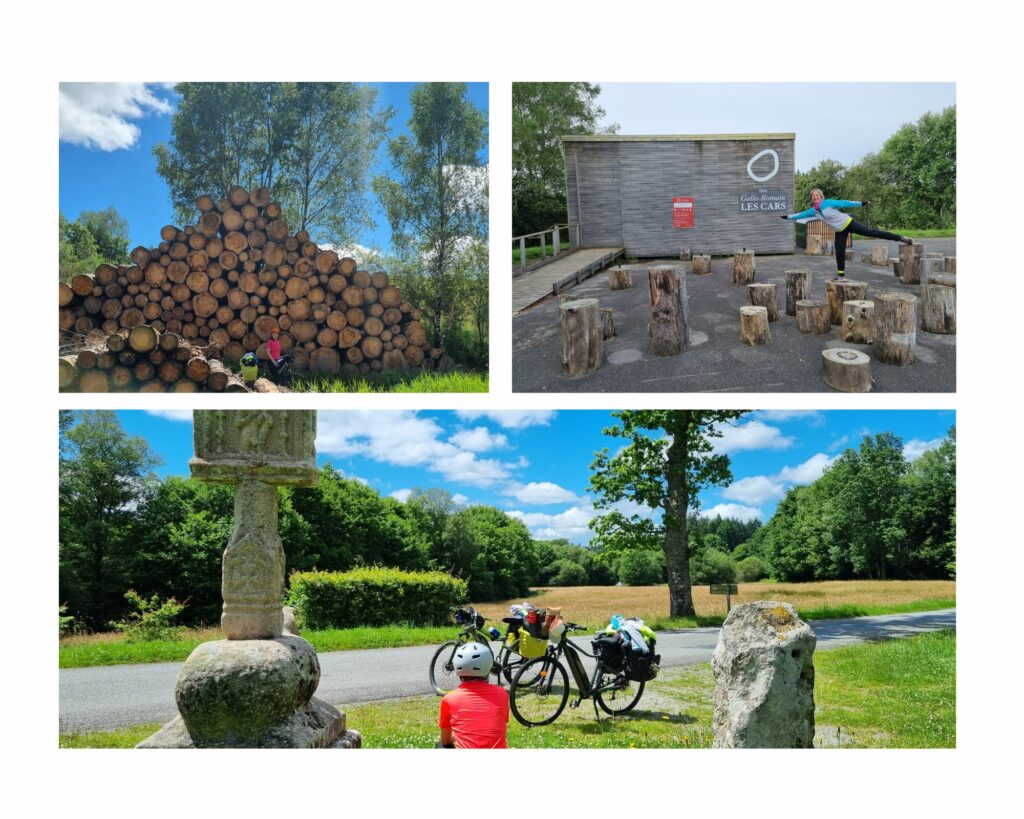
x=652, y=195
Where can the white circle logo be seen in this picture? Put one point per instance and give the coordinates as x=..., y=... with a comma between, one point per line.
x=775, y=170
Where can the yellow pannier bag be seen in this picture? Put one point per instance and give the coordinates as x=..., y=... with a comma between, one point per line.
x=530, y=646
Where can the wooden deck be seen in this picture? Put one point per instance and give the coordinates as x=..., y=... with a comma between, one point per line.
x=563, y=271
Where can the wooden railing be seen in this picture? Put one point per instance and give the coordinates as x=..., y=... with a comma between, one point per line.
x=542, y=237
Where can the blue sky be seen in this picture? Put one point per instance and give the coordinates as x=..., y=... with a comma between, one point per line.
x=536, y=464
x=108, y=131
x=841, y=121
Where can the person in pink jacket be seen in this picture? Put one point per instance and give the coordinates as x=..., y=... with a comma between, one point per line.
x=274, y=356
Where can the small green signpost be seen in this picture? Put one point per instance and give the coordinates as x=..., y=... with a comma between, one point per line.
x=728, y=589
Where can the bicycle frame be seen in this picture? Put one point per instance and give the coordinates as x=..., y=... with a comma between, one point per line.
x=587, y=686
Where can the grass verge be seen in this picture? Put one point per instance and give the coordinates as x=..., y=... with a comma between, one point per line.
x=533, y=253
x=396, y=382
x=888, y=694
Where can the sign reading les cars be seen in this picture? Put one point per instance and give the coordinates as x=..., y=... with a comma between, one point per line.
x=764, y=199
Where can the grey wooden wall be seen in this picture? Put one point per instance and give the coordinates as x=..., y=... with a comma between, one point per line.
x=622, y=193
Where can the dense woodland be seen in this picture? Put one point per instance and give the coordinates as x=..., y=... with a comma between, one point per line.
x=871, y=514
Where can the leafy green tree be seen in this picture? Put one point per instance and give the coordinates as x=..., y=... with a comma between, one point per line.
x=929, y=512
x=492, y=551
x=95, y=238
x=542, y=113
x=437, y=202
x=642, y=567
x=565, y=572
x=751, y=569
x=110, y=231
x=828, y=176
x=103, y=480
x=712, y=566
x=664, y=472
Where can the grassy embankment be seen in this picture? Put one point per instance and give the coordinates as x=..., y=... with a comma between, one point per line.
x=890, y=694
x=591, y=606
x=396, y=382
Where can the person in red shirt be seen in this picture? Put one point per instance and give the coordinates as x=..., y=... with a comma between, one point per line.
x=474, y=715
x=274, y=356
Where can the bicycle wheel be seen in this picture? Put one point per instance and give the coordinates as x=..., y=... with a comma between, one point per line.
x=621, y=699
x=511, y=663
x=542, y=700
x=442, y=668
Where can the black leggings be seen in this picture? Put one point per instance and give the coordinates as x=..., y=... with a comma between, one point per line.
x=861, y=230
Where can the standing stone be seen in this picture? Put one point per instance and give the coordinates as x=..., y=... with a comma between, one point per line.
x=764, y=295
x=668, y=327
x=701, y=265
x=743, y=267
x=764, y=679
x=798, y=286
x=254, y=689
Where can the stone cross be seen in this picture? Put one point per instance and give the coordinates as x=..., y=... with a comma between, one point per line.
x=257, y=451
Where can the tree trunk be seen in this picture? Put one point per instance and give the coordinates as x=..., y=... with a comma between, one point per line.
x=938, y=304
x=846, y=370
x=754, y=326
x=950, y=265
x=839, y=291
x=668, y=327
x=812, y=317
x=798, y=286
x=701, y=265
x=582, y=337
x=676, y=506
x=910, y=263
x=607, y=323
x=858, y=326
x=895, y=328
x=743, y=268
x=764, y=295
x=880, y=256
x=619, y=278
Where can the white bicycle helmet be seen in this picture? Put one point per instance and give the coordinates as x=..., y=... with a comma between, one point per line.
x=473, y=660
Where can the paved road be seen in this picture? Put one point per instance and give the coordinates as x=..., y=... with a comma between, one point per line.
x=108, y=697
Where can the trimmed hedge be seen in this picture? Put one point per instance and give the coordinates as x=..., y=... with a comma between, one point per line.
x=374, y=597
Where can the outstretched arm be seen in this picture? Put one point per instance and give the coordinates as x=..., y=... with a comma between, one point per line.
x=801, y=215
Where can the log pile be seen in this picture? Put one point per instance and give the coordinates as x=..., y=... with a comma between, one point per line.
x=225, y=282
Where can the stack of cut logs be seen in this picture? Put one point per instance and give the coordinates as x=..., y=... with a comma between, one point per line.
x=223, y=284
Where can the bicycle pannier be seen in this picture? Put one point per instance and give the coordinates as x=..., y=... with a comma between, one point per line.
x=642, y=667
x=608, y=648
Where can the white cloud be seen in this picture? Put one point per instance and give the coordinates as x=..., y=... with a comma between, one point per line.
x=813, y=417
x=915, y=448
x=478, y=439
x=838, y=443
x=97, y=114
x=807, y=472
x=459, y=499
x=752, y=435
x=404, y=439
x=732, y=510
x=757, y=490
x=572, y=524
x=401, y=495
x=173, y=415
x=540, y=493
x=510, y=419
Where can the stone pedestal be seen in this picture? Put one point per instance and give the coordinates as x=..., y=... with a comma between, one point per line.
x=254, y=689
x=764, y=679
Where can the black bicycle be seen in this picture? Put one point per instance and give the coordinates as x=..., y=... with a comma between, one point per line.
x=540, y=689
x=281, y=372
x=507, y=660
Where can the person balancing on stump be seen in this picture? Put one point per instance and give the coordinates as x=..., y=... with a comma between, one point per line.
x=828, y=211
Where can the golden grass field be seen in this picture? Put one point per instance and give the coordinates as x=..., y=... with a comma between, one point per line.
x=593, y=605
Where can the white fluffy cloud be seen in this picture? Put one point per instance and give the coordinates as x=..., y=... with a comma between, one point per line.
x=752, y=435
x=510, y=419
x=459, y=499
x=572, y=524
x=478, y=439
x=540, y=493
x=98, y=114
x=807, y=472
x=732, y=510
x=401, y=495
x=173, y=415
x=812, y=417
x=914, y=449
x=757, y=490
x=404, y=439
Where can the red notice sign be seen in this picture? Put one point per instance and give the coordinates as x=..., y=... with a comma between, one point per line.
x=682, y=211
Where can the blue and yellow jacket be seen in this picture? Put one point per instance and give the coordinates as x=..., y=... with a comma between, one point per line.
x=829, y=213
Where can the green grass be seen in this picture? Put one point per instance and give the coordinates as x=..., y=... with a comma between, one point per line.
x=80, y=655
x=888, y=694
x=533, y=251
x=930, y=233
x=396, y=382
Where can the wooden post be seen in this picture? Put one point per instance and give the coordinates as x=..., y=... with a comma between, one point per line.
x=668, y=328
x=619, y=278
x=607, y=323
x=950, y=264
x=743, y=267
x=812, y=317
x=846, y=370
x=858, y=325
x=910, y=263
x=764, y=295
x=582, y=337
x=798, y=286
x=754, y=326
x=685, y=255
x=880, y=256
x=938, y=304
x=556, y=239
x=839, y=291
x=522, y=252
x=701, y=265
x=895, y=328
x=815, y=245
